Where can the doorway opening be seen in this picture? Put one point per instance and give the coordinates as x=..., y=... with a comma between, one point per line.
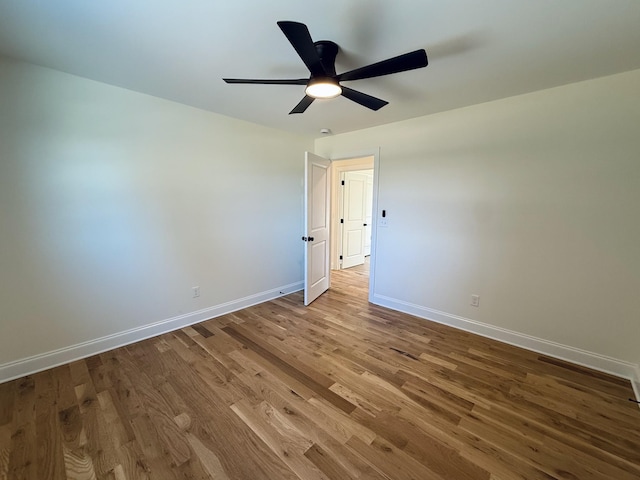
x=356, y=195
x=324, y=207
x=352, y=214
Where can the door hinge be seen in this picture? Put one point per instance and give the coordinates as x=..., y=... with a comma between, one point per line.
x=342, y=220
x=340, y=257
x=342, y=183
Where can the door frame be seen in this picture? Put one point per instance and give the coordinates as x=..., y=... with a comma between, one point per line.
x=346, y=162
x=339, y=167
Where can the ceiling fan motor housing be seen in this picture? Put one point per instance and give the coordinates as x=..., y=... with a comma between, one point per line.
x=327, y=51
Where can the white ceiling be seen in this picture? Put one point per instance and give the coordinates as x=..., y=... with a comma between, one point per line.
x=479, y=50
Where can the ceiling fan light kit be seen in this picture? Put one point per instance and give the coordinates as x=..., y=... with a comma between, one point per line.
x=324, y=83
x=323, y=88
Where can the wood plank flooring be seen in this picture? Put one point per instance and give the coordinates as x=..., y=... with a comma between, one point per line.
x=339, y=390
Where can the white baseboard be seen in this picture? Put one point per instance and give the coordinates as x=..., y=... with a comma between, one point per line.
x=635, y=383
x=613, y=366
x=44, y=361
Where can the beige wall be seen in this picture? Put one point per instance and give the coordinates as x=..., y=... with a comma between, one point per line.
x=113, y=204
x=531, y=202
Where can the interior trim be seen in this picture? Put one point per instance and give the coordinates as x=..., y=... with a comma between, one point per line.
x=635, y=383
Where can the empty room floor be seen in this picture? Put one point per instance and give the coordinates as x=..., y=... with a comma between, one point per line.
x=341, y=389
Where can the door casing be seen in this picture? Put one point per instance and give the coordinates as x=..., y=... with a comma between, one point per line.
x=341, y=162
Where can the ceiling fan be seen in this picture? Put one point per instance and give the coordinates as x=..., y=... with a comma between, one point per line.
x=320, y=57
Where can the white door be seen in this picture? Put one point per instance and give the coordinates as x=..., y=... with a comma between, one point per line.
x=354, y=221
x=317, y=217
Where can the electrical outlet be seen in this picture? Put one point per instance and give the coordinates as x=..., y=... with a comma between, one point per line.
x=196, y=291
x=475, y=300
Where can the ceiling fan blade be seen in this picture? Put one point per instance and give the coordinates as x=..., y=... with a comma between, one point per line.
x=363, y=99
x=401, y=63
x=298, y=35
x=302, y=106
x=292, y=81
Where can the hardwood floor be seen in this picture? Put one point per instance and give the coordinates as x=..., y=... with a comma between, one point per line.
x=339, y=390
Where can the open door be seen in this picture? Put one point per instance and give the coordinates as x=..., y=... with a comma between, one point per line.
x=317, y=218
